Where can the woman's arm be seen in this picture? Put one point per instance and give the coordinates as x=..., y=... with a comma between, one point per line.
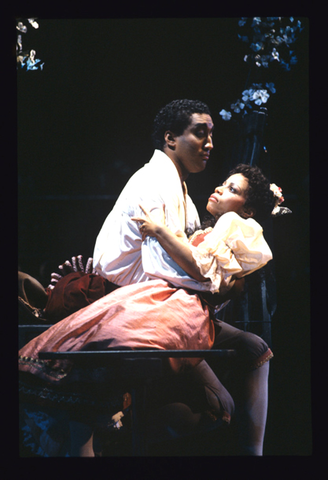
x=180, y=252
x=177, y=248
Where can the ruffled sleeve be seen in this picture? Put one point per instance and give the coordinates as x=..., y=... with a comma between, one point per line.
x=235, y=246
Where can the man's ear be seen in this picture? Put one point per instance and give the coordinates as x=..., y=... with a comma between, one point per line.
x=169, y=138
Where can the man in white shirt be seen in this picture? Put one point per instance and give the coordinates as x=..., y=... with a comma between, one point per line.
x=183, y=141
x=182, y=138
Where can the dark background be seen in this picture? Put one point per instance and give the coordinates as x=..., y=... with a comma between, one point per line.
x=83, y=128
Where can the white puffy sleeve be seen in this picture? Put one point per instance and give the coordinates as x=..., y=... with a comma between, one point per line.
x=235, y=246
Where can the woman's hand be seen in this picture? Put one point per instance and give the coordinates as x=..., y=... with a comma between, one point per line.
x=149, y=224
x=176, y=246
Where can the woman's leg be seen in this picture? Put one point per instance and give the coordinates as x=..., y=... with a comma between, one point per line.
x=251, y=410
x=218, y=398
x=251, y=401
x=188, y=403
x=174, y=420
x=81, y=439
x=248, y=384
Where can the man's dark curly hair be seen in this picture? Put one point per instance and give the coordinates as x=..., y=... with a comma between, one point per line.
x=259, y=195
x=175, y=116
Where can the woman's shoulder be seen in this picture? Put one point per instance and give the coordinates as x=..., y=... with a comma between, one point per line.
x=233, y=218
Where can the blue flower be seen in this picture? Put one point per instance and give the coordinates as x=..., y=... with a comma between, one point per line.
x=236, y=107
x=243, y=38
x=260, y=96
x=247, y=95
x=270, y=86
x=32, y=65
x=21, y=27
x=225, y=115
x=285, y=65
x=275, y=54
x=256, y=21
x=256, y=46
x=262, y=60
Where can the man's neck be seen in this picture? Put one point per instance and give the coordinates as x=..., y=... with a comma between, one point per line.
x=182, y=174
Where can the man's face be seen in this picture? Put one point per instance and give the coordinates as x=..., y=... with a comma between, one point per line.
x=192, y=149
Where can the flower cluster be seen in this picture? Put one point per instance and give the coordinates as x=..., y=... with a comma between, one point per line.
x=256, y=94
x=26, y=59
x=277, y=192
x=270, y=40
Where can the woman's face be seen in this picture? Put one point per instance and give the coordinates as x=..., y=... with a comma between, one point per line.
x=230, y=197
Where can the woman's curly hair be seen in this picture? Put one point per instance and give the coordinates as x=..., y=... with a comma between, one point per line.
x=259, y=195
x=175, y=116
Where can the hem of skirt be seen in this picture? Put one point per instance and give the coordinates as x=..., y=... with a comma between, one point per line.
x=47, y=396
x=263, y=359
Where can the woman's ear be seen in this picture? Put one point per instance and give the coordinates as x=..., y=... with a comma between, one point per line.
x=248, y=212
x=169, y=138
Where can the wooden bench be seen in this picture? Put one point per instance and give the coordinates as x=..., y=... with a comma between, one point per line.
x=140, y=366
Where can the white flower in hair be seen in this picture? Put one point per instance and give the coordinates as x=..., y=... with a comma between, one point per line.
x=277, y=192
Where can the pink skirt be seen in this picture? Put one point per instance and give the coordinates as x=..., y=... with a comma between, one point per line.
x=151, y=314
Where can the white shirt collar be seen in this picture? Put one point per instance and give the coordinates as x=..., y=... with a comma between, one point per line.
x=163, y=161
